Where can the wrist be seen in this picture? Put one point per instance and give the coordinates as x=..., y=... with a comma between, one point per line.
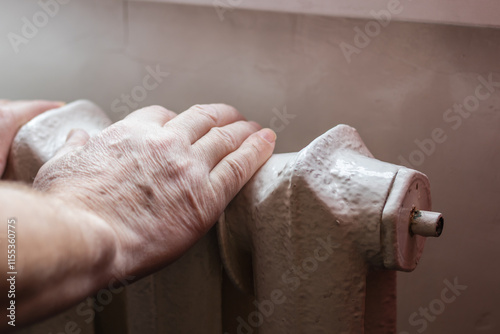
x=136, y=253
x=117, y=246
x=99, y=238
x=64, y=248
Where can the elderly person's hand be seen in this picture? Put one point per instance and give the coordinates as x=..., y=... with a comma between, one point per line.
x=160, y=180
x=13, y=115
x=125, y=202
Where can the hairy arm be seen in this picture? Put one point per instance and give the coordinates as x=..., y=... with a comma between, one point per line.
x=60, y=250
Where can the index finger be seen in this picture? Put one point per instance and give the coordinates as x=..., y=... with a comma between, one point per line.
x=232, y=172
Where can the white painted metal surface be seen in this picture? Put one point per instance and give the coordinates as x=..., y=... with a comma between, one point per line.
x=40, y=139
x=314, y=224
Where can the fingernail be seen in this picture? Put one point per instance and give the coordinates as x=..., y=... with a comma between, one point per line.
x=60, y=103
x=268, y=135
x=71, y=133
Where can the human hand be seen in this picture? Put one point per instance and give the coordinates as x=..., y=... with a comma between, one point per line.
x=158, y=179
x=13, y=115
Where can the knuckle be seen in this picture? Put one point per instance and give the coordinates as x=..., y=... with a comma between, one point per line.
x=225, y=137
x=239, y=167
x=209, y=111
x=255, y=147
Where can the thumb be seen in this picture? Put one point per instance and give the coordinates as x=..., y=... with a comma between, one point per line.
x=76, y=138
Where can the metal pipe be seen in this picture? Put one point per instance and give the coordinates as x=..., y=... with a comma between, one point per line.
x=426, y=223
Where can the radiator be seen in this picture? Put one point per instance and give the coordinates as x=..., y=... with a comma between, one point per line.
x=311, y=244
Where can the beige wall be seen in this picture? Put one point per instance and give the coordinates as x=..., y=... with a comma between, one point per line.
x=395, y=91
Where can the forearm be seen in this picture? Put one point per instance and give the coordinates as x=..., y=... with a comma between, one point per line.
x=63, y=253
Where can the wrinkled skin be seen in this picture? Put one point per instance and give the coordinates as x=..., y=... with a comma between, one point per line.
x=159, y=180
